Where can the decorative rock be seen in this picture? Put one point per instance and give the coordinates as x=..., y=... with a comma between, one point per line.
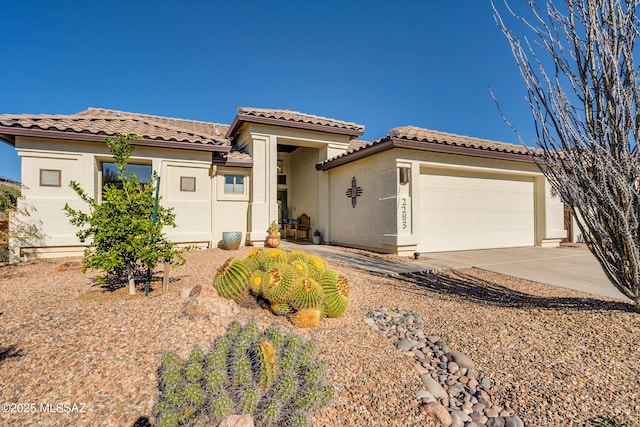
x=369, y=321
x=204, y=302
x=455, y=389
x=490, y=412
x=403, y=344
x=454, y=395
x=438, y=412
x=458, y=416
x=461, y=359
x=425, y=396
x=245, y=420
x=185, y=292
x=513, y=422
x=433, y=386
x=496, y=422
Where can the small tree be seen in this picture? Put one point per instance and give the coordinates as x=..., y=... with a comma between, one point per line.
x=584, y=94
x=124, y=238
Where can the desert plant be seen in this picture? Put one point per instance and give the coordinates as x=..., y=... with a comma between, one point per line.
x=336, y=293
x=287, y=282
x=307, y=293
x=582, y=84
x=232, y=279
x=278, y=283
x=274, y=377
x=125, y=239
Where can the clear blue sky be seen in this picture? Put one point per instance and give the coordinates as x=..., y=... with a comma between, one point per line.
x=383, y=64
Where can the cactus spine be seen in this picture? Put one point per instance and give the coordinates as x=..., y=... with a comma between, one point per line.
x=278, y=284
x=307, y=293
x=336, y=293
x=272, y=376
x=232, y=280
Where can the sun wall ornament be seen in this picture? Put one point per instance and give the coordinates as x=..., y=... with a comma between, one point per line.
x=354, y=192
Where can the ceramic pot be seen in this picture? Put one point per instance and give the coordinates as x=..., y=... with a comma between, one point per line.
x=231, y=239
x=273, y=241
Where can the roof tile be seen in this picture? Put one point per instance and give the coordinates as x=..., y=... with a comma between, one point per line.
x=99, y=121
x=294, y=116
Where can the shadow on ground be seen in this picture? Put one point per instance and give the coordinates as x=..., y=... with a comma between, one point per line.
x=8, y=352
x=486, y=292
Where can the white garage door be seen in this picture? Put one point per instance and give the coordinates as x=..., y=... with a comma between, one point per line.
x=460, y=211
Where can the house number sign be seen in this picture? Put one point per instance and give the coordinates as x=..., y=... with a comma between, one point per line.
x=403, y=213
x=354, y=192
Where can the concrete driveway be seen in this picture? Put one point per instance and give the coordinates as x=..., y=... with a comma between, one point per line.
x=567, y=267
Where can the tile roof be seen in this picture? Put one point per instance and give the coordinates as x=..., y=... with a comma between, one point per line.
x=425, y=135
x=300, y=118
x=429, y=140
x=98, y=121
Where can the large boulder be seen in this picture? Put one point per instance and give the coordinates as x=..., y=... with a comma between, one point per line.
x=204, y=302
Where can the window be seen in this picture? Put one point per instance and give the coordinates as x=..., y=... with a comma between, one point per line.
x=50, y=177
x=110, y=173
x=187, y=183
x=234, y=184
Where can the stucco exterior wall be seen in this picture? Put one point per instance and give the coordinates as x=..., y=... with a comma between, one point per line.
x=387, y=217
x=81, y=162
x=374, y=212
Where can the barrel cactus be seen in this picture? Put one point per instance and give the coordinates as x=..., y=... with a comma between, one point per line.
x=307, y=293
x=294, y=284
x=232, y=279
x=278, y=283
x=274, y=377
x=336, y=293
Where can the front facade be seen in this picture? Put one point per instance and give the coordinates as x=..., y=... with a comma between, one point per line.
x=412, y=190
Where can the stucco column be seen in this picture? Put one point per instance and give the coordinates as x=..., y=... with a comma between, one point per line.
x=399, y=237
x=263, y=206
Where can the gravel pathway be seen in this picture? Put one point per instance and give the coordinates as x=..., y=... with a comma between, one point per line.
x=553, y=356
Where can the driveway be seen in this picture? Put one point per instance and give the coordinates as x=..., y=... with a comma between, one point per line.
x=567, y=267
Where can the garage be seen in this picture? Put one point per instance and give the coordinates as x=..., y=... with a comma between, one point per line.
x=475, y=210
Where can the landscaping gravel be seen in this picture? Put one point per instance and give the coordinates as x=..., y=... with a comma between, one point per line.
x=549, y=356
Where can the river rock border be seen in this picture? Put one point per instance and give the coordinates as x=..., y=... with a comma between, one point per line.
x=455, y=394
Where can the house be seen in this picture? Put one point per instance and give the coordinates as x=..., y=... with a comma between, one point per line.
x=411, y=190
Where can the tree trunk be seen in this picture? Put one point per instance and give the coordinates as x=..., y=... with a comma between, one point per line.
x=165, y=276
x=132, y=284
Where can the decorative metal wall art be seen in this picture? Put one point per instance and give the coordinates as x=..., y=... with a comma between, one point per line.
x=354, y=192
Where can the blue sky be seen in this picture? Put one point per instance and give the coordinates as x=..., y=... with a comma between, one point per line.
x=426, y=63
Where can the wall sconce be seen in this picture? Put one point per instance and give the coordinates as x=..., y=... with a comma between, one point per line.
x=213, y=170
x=404, y=175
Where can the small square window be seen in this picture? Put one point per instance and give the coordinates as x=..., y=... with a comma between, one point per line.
x=50, y=177
x=187, y=183
x=234, y=184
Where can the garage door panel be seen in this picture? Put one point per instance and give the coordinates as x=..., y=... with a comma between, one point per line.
x=475, y=211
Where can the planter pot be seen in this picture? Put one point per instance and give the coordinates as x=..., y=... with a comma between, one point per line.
x=317, y=239
x=231, y=239
x=273, y=241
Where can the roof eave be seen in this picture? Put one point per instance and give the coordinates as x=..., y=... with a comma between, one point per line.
x=390, y=143
x=90, y=137
x=246, y=118
x=9, y=139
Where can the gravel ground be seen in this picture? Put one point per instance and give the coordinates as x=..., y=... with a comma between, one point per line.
x=558, y=357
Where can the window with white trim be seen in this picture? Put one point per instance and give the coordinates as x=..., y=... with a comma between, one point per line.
x=234, y=184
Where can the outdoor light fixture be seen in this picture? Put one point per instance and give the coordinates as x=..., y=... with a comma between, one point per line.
x=404, y=175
